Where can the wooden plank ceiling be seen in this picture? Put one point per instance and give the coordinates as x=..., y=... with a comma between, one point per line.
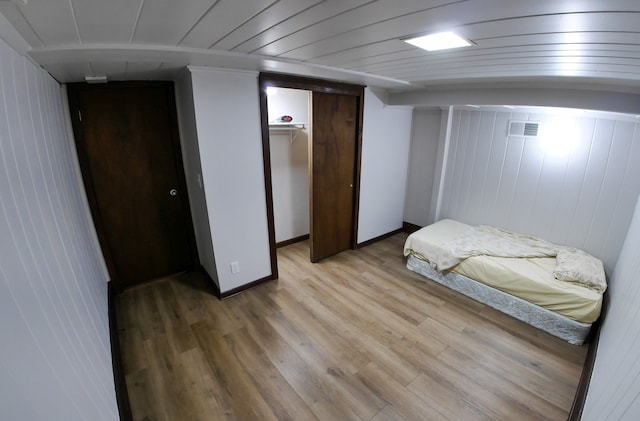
x=355, y=40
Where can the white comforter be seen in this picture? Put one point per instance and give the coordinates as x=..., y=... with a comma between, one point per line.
x=572, y=265
x=491, y=241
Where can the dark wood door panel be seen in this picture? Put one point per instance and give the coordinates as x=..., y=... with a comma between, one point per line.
x=126, y=138
x=333, y=173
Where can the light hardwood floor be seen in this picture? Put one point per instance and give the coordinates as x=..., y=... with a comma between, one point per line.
x=354, y=337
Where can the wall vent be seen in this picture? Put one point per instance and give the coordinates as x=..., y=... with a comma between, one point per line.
x=523, y=128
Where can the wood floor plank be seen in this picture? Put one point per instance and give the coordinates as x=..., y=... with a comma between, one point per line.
x=387, y=414
x=445, y=397
x=522, y=401
x=458, y=390
x=291, y=366
x=342, y=386
x=201, y=388
x=493, y=360
x=403, y=401
x=330, y=336
x=240, y=394
x=274, y=388
x=366, y=345
x=356, y=336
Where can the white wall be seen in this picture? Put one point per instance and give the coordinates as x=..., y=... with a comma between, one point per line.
x=227, y=115
x=289, y=163
x=291, y=102
x=423, y=160
x=614, y=391
x=193, y=173
x=386, y=139
x=55, y=356
x=585, y=199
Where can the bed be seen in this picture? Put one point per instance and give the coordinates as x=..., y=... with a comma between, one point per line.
x=532, y=280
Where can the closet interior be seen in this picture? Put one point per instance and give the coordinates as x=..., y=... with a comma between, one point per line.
x=289, y=140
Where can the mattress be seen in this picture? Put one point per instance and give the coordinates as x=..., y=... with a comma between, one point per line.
x=549, y=321
x=530, y=279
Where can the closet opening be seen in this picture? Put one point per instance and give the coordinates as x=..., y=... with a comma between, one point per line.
x=311, y=138
x=289, y=139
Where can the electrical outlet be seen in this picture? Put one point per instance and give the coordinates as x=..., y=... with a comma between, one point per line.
x=235, y=267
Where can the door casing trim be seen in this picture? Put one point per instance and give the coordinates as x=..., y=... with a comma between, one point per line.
x=314, y=85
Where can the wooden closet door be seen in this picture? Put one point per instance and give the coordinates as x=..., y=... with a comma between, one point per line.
x=333, y=163
x=129, y=153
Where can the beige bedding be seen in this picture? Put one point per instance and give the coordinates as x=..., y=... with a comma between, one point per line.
x=531, y=279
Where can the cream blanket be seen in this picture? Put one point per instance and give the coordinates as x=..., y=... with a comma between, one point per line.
x=571, y=265
x=491, y=241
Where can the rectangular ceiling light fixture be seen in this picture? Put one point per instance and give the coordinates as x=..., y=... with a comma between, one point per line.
x=439, y=41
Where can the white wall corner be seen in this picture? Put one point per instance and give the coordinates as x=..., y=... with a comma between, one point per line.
x=381, y=93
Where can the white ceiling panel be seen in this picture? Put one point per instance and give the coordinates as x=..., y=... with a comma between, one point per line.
x=395, y=48
x=538, y=63
x=484, y=25
x=106, y=21
x=262, y=22
x=168, y=21
x=141, y=70
x=52, y=20
x=63, y=72
x=142, y=66
x=221, y=20
x=367, y=16
x=326, y=10
x=569, y=69
x=575, y=22
x=107, y=67
x=576, y=41
x=515, y=54
x=12, y=14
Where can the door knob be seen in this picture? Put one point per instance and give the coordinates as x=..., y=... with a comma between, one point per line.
x=173, y=192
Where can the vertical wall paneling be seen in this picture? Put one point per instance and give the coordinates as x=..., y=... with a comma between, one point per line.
x=386, y=139
x=614, y=392
x=55, y=353
x=512, y=182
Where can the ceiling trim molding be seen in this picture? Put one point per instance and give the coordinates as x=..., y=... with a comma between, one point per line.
x=596, y=100
x=180, y=56
x=207, y=69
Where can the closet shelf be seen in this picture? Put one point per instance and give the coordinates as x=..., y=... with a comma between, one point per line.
x=290, y=127
x=287, y=126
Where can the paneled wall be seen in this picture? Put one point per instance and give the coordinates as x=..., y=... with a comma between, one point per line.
x=55, y=359
x=584, y=199
x=614, y=391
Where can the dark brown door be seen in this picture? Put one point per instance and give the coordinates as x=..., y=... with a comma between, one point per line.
x=130, y=157
x=333, y=157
